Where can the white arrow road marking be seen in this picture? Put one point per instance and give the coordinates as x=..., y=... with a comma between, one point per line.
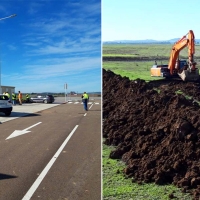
x=21, y=132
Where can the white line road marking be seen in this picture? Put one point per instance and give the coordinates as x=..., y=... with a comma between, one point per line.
x=90, y=106
x=37, y=182
x=21, y=132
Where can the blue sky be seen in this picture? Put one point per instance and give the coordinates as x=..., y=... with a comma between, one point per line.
x=50, y=43
x=143, y=19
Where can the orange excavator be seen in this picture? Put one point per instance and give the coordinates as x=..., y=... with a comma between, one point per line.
x=186, y=70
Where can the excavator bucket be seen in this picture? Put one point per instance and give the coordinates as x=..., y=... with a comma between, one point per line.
x=187, y=75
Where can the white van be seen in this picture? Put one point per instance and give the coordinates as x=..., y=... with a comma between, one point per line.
x=5, y=105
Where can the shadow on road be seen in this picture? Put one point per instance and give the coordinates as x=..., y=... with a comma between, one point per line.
x=6, y=176
x=30, y=115
x=20, y=114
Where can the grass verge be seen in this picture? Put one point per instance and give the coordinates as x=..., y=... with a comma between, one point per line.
x=117, y=187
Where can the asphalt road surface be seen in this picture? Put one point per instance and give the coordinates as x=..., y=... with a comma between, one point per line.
x=51, y=152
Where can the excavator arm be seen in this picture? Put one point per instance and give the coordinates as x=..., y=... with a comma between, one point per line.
x=178, y=46
x=191, y=50
x=191, y=43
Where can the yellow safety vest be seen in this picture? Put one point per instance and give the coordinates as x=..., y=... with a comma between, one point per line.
x=14, y=96
x=8, y=95
x=85, y=96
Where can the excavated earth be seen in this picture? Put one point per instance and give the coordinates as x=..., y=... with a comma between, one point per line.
x=156, y=130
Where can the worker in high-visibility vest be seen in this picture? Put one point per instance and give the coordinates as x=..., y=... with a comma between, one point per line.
x=14, y=98
x=4, y=94
x=20, y=98
x=8, y=95
x=85, y=99
x=27, y=98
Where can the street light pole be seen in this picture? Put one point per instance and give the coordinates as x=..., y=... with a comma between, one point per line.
x=11, y=16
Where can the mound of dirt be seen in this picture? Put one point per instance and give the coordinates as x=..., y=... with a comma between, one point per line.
x=155, y=129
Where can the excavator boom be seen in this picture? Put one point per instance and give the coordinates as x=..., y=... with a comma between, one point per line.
x=182, y=43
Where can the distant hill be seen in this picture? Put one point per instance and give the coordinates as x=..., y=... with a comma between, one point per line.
x=94, y=92
x=147, y=41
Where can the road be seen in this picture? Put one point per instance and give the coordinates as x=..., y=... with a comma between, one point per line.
x=51, y=152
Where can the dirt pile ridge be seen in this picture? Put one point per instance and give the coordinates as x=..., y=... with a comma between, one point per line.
x=156, y=131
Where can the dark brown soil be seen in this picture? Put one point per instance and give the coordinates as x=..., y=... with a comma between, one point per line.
x=157, y=134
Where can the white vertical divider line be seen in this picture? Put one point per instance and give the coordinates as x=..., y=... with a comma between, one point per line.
x=37, y=182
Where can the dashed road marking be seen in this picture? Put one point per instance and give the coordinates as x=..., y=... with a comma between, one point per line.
x=82, y=103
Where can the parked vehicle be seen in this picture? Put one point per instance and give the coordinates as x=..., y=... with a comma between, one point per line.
x=42, y=99
x=5, y=105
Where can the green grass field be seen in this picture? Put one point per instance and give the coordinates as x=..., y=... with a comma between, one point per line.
x=140, y=68
x=115, y=185
x=132, y=70
x=136, y=49
x=145, y=50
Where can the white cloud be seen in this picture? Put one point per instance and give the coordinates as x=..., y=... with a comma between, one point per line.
x=68, y=67
x=12, y=47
